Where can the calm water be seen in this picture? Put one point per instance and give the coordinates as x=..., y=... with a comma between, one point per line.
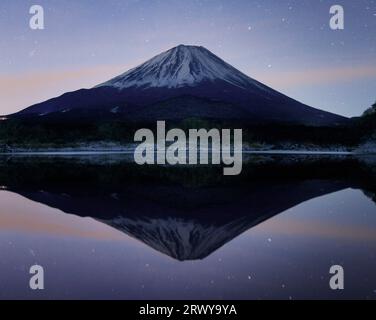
x=105, y=228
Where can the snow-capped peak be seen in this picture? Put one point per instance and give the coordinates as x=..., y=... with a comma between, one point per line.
x=181, y=66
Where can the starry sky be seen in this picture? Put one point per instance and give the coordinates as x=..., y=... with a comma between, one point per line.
x=286, y=44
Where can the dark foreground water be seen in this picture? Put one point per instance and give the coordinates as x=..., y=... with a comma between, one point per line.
x=104, y=228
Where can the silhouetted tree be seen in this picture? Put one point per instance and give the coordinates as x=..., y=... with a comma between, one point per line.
x=371, y=110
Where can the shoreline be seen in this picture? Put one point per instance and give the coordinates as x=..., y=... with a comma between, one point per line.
x=131, y=151
x=111, y=148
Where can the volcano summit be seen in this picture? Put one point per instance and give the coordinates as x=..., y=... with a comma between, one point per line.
x=183, y=82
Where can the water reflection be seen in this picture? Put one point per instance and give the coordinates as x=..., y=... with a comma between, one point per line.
x=185, y=213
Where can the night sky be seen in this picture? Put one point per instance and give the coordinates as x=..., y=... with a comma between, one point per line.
x=287, y=45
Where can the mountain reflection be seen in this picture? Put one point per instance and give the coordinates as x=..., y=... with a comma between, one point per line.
x=186, y=213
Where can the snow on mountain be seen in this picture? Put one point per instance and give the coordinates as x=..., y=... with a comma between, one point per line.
x=183, y=82
x=179, y=238
x=182, y=66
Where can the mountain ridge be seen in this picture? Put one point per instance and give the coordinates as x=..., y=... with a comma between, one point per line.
x=180, y=66
x=182, y=71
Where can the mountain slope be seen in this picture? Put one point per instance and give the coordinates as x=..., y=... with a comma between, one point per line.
x=184, y=66
x=198, y=78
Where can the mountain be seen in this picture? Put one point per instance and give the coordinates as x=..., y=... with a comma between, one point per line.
x=183, y=82
x=186, y=215
x=181, y=67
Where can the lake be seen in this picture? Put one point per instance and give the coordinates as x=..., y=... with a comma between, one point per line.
x=104, y=228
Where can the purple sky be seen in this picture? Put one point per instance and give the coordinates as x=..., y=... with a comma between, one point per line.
x=285, y=44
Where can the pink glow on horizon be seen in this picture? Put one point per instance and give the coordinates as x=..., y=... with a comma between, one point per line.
x=20, y=91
